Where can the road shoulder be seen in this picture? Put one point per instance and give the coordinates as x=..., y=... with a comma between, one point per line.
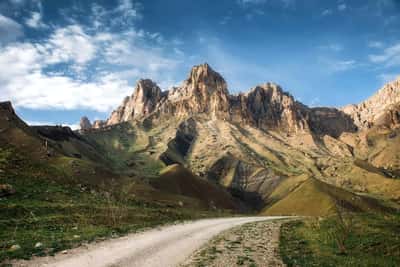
x=252, y=244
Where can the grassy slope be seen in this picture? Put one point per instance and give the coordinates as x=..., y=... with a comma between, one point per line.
x=125, y=145
x=368, y=240
x=316, y=198
x=175, y=179
x=62, y=201
x=50, y=207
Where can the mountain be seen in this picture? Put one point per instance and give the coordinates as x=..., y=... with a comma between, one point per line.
x=381, y=107
x=259, y=145
x=266, y=107
x=197, y=145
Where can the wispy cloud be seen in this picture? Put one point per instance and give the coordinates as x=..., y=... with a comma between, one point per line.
x=35, y=20
x=326, y=12
x=389, y=56
x=375, y=44
x=251, y=2
x=283, y=3
x=332, y=47
x=338, y=65
x=225, y=20
x=10, y=30
x=55, y=72
x=342, y=7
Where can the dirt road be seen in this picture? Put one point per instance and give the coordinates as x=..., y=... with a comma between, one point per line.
x=165, y=246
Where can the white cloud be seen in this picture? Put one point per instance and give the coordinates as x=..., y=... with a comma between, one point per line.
x=342, y=7
x=27, y=86
x=71, y=44
x=337, y=65
x=343, y=65
x=35, y=21
x=57, y=72
x=326, y=12
x=10, y=30
x=375, y=44
x=23, y=82
x=225, y=20
x=389, y=57
x=150, y=61
x=128, y=9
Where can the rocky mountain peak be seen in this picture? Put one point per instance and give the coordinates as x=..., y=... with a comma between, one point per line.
x=7, y=106
x=204, y=76
x=205, y=93
x=272, y=108
x=142, y=102
x=85, y=123
x=366, y=113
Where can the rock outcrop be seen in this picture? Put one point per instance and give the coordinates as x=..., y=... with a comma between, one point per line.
x=330, y=121
x=85, y=124
x=205, y=92
x=142, y=103
x=366, y=113
x=268, y=107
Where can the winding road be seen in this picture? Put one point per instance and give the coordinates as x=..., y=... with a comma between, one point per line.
x=164, y=246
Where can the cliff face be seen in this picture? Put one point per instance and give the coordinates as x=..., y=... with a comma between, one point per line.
x=142, y=102
x=268, y=107
x=205, y=92
x=367, y=113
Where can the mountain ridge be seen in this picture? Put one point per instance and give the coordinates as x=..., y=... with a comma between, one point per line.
x=205, y=91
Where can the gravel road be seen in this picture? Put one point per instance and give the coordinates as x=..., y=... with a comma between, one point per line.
x=164, y=246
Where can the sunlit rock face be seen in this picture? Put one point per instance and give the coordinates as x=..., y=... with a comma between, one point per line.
x=366, y=114
x=205, y=93
x=141, y=103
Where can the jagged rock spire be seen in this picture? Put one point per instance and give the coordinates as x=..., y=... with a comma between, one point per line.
x=85, y=123
x=142, y=102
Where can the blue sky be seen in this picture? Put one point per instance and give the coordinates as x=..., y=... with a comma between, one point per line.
x=60, y=60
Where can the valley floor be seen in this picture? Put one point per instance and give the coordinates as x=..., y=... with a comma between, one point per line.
x=166, y=246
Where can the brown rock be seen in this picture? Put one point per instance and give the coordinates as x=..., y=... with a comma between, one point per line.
x=97, y=124
x=142, y=102
x=205, y=93
x=268, y=107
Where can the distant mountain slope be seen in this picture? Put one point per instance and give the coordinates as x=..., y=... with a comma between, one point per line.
x=316, y=198
x=252, y=143
x=63, y=156
x=177, y=180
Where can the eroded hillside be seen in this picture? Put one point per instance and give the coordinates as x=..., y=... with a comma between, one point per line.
x=260, y=145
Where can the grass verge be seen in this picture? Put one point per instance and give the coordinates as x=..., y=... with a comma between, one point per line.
x=352, y=240
x=50, y=212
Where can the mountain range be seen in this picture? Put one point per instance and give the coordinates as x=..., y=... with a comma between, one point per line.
x=259, y=151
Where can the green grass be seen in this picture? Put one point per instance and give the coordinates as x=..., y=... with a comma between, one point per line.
x=51, y=208
x=316, y=198
x=365, y=240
